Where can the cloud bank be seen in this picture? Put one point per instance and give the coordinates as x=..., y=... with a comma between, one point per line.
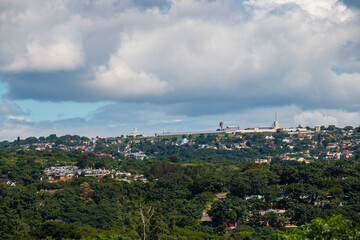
x=186, y=59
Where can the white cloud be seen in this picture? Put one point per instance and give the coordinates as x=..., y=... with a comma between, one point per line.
x=61, y=55
x=19, y=118
x=119, y=81
x=325, y=117
x=315, y=118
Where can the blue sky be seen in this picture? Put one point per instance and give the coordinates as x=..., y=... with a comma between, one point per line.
x=52, y=111
x=100, y=68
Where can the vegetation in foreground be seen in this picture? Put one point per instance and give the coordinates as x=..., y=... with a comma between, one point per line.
x=318, y=200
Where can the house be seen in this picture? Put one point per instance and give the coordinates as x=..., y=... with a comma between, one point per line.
x=332, y=146
x=123, y=180
x=289, y=225
x=346, y=144
x=322, y=202
x=301, y=159
x=137, y=155
x=235, y=145
x=262, y=161
x=57, y=178
x=243, y=145
x=182, y=141
x=347, y=154
x=280, y=196
x=223, y=147
x=201, y=146
x=6, y=181
x=277, y=211
x=212, y=147
x=167, y=142
x=231, y=225
x=330, y=155
x=260, y=197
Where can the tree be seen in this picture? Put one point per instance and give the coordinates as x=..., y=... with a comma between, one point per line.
x=31, y=140
x=145, y=218
x=358, y=129
x=51, y=138
x=83, y=161
x=347, y=128
x=57, y=229
x=174, y=159
x=331, y=127
x=335, y=227
x=252, y=182
x=85, y=192
x=302, y=192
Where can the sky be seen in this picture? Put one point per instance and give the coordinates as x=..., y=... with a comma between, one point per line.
x=102, y=67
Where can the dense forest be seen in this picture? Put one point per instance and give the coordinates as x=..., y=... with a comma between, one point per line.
x=189, y=193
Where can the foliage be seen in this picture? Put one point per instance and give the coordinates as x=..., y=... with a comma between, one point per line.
x=335, y=227
x=182, y=182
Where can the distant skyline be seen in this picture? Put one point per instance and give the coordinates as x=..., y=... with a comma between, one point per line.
x=100, y=68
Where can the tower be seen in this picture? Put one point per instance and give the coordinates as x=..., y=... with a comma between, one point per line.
x=221, y=125
x=276, y=122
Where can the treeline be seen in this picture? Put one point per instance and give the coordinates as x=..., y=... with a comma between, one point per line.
x=69, y=140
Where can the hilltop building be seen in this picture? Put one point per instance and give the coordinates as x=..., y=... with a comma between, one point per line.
x=275, y=127
x=231, y=128
x=136, y=133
